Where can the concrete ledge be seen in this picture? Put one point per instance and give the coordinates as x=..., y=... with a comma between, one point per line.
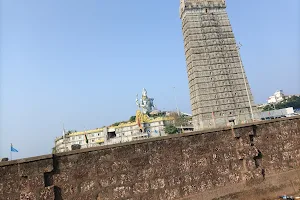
x=26, y=160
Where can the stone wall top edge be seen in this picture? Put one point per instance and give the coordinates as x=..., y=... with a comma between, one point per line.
x=26, y=160
x=170, y=137
x=50, y=156
x=267, y=121
x=137, y=142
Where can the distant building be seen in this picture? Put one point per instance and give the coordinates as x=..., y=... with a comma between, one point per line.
x=273, y=114
x=125, y=132
x=145, y=126
x=277, y=97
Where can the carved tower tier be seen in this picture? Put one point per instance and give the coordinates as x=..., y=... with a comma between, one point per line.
x=219, y=91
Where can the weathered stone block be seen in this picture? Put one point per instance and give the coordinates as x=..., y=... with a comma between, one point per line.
x=47, y=193
x=140, y=188
x=122, y=192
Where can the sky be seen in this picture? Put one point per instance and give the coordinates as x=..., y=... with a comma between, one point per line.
x=81, y=63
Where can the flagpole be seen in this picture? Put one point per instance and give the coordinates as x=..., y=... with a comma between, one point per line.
x=176, y=102
x=10, y=151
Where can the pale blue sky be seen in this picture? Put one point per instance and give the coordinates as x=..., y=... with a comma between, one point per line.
x=82, y=63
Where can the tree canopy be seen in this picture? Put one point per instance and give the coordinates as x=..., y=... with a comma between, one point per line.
x=132, y=119
x=170, y=129
x=294, y=102
x=180, y=120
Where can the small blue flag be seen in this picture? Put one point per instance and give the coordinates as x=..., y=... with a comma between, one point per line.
x=12, y=149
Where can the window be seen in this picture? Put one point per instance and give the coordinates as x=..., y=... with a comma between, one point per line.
x=111, y=135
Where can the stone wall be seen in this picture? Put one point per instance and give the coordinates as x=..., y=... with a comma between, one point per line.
x=216, y=164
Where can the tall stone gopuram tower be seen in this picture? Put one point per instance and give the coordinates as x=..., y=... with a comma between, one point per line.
x=219, y=91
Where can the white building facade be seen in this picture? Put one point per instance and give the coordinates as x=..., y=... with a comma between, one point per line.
x=277, y=97
x=111, y=135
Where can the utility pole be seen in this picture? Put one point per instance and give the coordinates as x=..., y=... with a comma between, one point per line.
x=176, y=102
x=243, y=73
x=177, y=107
x=64, y=138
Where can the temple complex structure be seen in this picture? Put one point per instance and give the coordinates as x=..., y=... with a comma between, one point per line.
x=144, y=126
x=146, y=103
x=219, y=90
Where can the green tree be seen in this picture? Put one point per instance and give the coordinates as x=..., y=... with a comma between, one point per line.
x=171, y=129
x=268, y=107
x=132, y=119
x=180, y=120
x=116, y=124
x=160, y=114
x=294, y=102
